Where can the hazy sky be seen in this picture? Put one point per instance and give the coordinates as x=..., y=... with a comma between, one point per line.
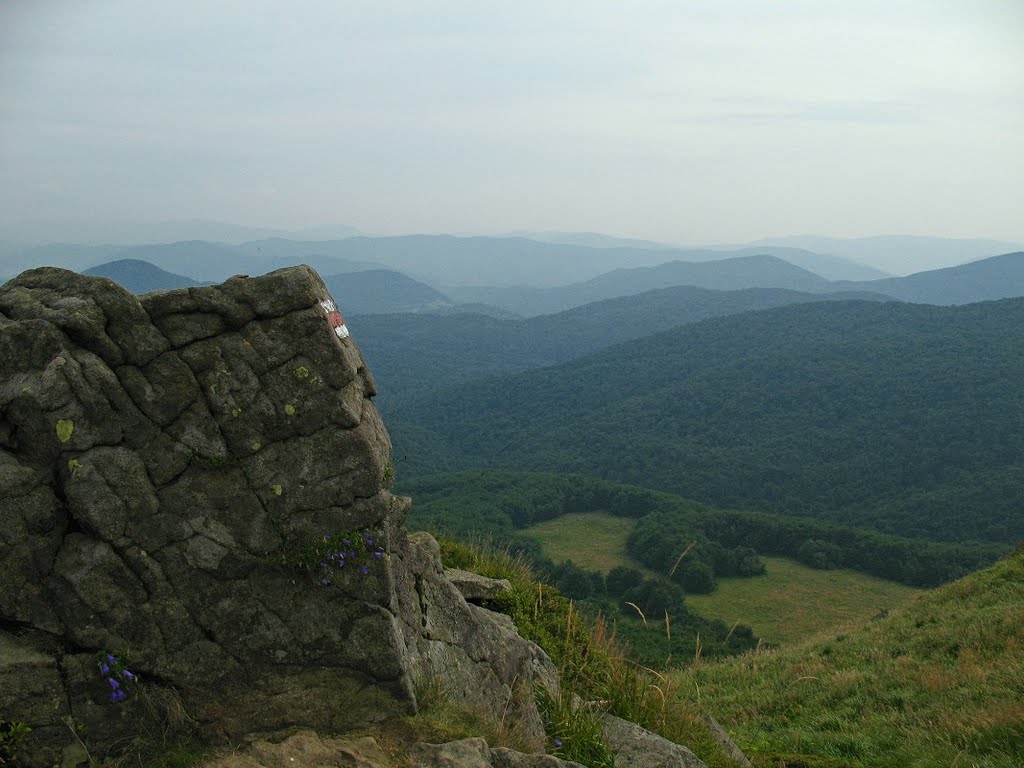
x=689, y=121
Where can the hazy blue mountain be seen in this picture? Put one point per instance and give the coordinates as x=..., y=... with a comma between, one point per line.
x=216, y=262
x=326, y=257
x=997, y=277
x=829, y=267
x=724, y=274
x=140, y=276
x=907, y=418
x=898, y=254
x=416, y=353
x=444, y=260
x=595, y=240
x=382, y=291
x=198, y=259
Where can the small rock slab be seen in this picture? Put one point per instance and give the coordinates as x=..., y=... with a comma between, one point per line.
x=306, y=749
x=475, y=587
x=636, y=747
x=474, y=753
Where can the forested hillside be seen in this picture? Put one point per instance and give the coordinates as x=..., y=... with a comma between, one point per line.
x=905, y=418
x=413, y=353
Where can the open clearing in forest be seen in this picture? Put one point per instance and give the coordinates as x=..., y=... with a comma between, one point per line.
x=593, y=540
x=789, y=604
x=793, y=602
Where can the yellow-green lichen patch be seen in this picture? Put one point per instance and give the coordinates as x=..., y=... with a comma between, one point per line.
x=278, y=490
x=302, y=372
x=236, y=412
x=65, y=428
x=256, y=446
x=289, y=409
x=74, y=465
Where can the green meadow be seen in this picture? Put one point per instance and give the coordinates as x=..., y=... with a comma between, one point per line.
x=592, y=540
x=793, y=602
x=789, y=604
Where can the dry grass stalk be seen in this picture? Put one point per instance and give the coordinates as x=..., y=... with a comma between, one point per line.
x=731, y=630
x=636, y=608
x=682, y=554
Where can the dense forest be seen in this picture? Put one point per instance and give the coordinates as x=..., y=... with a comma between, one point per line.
x=496, y=505
x=413, y=353
x=905, y=418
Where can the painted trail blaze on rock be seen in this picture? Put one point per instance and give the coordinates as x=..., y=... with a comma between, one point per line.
x=335, y=319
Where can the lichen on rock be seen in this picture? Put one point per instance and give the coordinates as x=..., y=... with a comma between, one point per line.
x=160, y=457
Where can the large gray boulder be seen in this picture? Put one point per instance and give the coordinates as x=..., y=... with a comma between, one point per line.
x=174, y=468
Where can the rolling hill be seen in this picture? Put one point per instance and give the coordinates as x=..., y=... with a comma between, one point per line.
x=897, y=254
x=414, y=353
x=905, y=418
x=724, y=274
x=382, y=291
x=997, y=277
x=140, y=276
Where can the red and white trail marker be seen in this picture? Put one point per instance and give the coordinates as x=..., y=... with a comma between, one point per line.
x=337, y=322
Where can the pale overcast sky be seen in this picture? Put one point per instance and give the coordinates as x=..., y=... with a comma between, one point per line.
x=686, y=121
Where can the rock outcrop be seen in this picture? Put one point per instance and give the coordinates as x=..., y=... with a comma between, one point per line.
x=195, y=494
x=307, y=749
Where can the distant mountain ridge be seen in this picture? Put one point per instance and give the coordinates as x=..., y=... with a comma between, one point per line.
x=724, y=274
x=416, y=353
x=140, y=276
x=898, y=254
x=997, y=277
x=531, y=277
x=380, y=291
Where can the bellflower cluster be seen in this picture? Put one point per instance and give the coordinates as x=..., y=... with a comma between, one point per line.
x=120, y=679
x=353, y=550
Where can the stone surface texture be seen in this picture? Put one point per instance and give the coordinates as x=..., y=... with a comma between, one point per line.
x=307, y=749
x=636, y=747
x=167, y=465
x=474, y=587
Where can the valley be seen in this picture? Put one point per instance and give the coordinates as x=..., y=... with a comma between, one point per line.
x=789, y=604
x=751, y=476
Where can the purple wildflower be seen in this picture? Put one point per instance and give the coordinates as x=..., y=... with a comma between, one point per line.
x=104, y=668
x=113, y=683
x=128, y=676
x=364, y=569
x=378, y=554
x=558, y=743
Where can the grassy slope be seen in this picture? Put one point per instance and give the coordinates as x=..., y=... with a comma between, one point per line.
x=790, y=604
x=793, y=602
x=938, y=683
